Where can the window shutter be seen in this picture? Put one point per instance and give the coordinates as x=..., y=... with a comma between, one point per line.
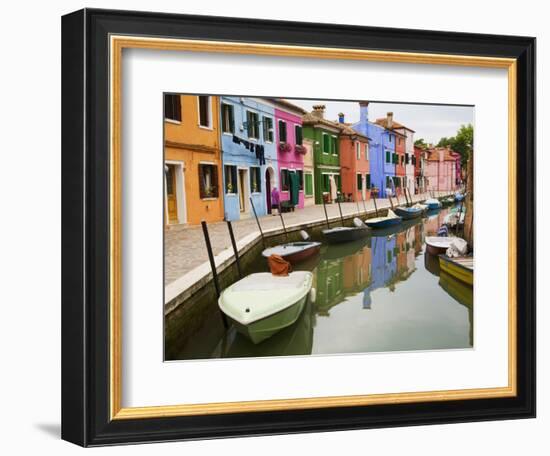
x=258, y=179
x=215, y=181
x=201, y=182
x=368, y=180
x=231, y=119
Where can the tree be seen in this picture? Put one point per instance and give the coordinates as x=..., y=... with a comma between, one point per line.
x=421, y=143
x=462, y=142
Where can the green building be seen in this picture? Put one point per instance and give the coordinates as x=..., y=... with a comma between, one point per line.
x=326, y=152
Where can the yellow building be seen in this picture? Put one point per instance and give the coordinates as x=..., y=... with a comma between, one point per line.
x=192, y=159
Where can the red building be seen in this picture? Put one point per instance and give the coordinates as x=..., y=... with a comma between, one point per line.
x=418, y=175
x=354, y=164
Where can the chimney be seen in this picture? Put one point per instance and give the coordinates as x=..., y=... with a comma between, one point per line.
x=389, y=122
x=341, y=117
x=363, y=112
x=319, y=111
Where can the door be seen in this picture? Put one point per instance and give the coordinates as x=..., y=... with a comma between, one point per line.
x=171, y=198
x=242, y=192
x=268, y=190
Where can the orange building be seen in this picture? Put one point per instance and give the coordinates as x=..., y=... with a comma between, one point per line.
x=354, y=164
x=192, y=159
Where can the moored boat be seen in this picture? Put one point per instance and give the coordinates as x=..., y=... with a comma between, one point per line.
x=461, y=268
x=459, y=196
x=408, y=213
x=436, y=245
x=294, y=252
x=391, y=219
x=262, y=304
x=345, y=234
x=432, y=204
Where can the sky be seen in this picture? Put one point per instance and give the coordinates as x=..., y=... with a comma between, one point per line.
x=430, y=122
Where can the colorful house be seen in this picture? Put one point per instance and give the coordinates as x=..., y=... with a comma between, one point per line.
x=326, y=155
x=396, y=148
x=440, y=171
x=354, y=163
x=290, y=152
x=309, y=180
x=249, y=156
x=192, y=159
x=375, y=133
x=418, y=169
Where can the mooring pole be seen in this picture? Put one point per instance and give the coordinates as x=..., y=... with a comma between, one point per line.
x=325, y=208
x=459, y=215
x=375, y=206
x=340, y=209
x=258, y=221
x=213, y=267
x=391, y=202
x=284, y=227
x=235, y=251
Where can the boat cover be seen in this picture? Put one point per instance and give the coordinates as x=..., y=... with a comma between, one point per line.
x=262, y=294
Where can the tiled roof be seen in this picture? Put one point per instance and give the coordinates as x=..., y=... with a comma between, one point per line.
x=311, y=119
x=395, y=125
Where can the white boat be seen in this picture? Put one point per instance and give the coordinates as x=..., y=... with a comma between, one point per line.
x=262, y=304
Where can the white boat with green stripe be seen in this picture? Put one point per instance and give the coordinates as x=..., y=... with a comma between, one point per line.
x=262, y=304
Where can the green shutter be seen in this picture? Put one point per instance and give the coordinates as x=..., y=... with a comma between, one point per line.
x=388, y=156
x=326, y=143
x=367, y=178
x=309, y=184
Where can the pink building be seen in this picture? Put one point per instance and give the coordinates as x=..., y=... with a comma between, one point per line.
x=290, y=152
x=440, y=170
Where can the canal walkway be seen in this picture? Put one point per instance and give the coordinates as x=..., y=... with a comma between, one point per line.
x=186, y=258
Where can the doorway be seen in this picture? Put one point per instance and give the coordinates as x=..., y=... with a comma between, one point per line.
x=171, y=198
x=243, y=193
x=268, y=188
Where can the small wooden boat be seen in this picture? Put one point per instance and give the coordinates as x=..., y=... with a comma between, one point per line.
x=408, y=213
x=432, y=204
x=436, y=245
x=461, y=268
x=294, y=252
x=391, y=219
x=262, y=304
x=345, y=233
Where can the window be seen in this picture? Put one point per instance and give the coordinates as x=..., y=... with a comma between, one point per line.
x=359, y=182
x=298, y=133
x=333, y=149
x=367, y=151
x=326, y=183
x=402, y=160
x=390, y=137
x=407, y=159
x=395, y=159
x=230, y=179
x=358, y=150
x=326, y=143
x=268, y=129
x=228, y=121
x=300, y=178
x=252, y=124
x=208, y=180
x=413, y=159
x=204, y=111
x=308, y=184
x=388, y=156
x=282, y=131
x=172, y=107
x=388, y=182
x=367, y=181
x=397, y=181
x=255, y=180
x=389, y=255
x=285, y=180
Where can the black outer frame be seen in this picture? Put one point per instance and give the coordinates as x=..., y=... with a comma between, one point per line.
x=85, y=227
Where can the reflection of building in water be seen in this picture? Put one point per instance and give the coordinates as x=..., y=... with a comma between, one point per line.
x=432, y=224
x=383, y=265
x=330, y=285
x=410, y=247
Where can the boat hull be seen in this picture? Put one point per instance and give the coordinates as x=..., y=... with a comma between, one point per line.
x=379, y=224
x=349, y=235
x=299, y=256
x=263, y=329
x=432, y=250
x=456, y=270
x=408, y=214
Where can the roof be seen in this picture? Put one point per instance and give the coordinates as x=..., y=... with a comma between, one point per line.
x=345, y=129
x=395, y=125
x=288, y=105
x=311, y=119
x=449, y=155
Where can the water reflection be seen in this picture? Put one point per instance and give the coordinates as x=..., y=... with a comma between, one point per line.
x=381, y=293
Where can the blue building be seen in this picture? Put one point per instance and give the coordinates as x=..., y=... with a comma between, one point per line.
x=249, y=155
x=382, y=154
x=384, y=266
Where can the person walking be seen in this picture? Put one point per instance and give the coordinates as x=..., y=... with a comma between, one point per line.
x=275, y=200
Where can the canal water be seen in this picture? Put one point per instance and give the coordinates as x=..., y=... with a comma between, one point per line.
x=382, y=293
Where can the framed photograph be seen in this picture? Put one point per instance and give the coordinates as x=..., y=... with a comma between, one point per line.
x=274, y=227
